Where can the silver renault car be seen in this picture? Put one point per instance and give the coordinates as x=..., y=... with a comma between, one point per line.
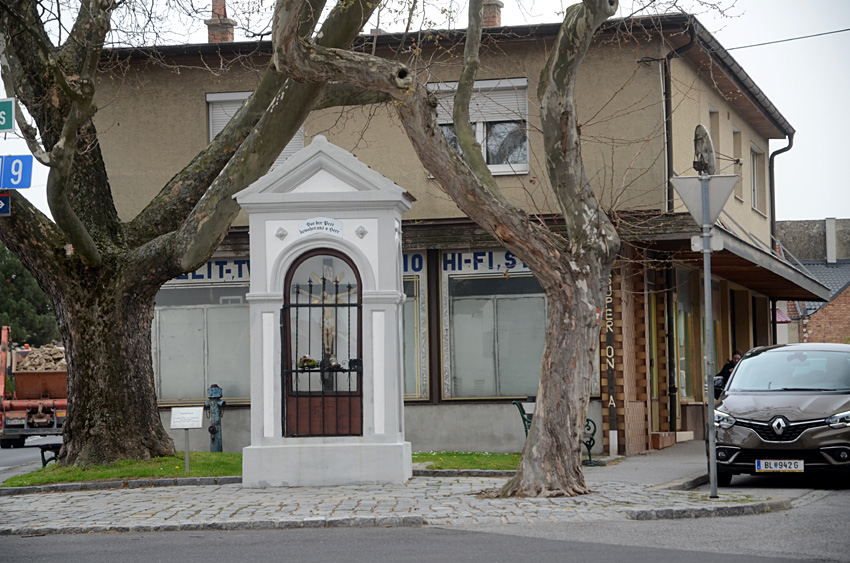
x=785, y=409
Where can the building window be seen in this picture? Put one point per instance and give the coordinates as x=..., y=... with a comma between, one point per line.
x=757, y=179
x=738, y=155
x=714, y=128
x=415, y=326
x=494, y=326
x=223, y=106
x=498, y=111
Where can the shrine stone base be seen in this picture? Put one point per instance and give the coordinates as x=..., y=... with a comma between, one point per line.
x=316, y=464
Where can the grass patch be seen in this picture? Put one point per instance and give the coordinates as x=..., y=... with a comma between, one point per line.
x=467, y=460
x=201, y=464
x=209, y=464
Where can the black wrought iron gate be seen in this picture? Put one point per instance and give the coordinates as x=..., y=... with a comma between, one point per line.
x=322, y=368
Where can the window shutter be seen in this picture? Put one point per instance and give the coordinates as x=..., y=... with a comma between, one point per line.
x=493, y=100
x=224, y=106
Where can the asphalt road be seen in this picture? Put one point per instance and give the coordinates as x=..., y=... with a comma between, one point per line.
x=29, y=453
x=397, y=545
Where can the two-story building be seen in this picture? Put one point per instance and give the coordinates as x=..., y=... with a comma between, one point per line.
x=474, y=316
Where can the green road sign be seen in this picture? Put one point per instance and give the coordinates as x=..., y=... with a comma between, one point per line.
x=7, y=115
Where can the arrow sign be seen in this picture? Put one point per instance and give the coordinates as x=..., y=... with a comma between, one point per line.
x=5, y=205
x=17, y=172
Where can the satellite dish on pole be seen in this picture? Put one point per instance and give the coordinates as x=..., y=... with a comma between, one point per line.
x=704, y=160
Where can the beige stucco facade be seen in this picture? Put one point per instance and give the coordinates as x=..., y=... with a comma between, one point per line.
x=154, y=119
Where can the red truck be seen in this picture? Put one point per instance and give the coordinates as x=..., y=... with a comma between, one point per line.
x=36, y=402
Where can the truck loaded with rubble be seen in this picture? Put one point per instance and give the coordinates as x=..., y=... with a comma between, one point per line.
x=34, y=391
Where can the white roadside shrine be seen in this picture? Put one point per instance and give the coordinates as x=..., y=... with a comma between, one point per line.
x=326, y=328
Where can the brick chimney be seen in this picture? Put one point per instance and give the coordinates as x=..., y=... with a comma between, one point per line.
x=219, y=26
x=493, y=13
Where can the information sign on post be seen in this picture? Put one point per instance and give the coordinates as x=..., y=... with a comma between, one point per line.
x=16, y=172
x=7, y=115
x=5, y=205
x=186, y=418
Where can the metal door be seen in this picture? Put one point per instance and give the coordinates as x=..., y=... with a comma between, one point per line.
x=320, y=327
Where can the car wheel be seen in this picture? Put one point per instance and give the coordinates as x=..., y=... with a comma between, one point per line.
x=6, y=444
x=724, y=479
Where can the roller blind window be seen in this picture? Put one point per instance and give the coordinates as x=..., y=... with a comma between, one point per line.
x=223, y=106
x=499, y=114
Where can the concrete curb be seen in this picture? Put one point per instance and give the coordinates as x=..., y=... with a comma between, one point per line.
x=120, y=484
x=685, y=483
x=501, y=472
x=769, y=505
x=410, y=521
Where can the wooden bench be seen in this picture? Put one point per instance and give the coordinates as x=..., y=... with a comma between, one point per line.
x=526, y=413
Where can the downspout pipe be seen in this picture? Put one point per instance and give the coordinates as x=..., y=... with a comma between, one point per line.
x=672, y=389
x=668, y=108
x=772, y=183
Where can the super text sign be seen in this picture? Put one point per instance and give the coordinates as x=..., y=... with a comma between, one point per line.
x=15, y=172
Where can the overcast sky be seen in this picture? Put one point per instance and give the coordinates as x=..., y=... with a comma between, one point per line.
x=807, y=79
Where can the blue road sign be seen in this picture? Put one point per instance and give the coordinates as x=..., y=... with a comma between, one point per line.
x=17, y=172
x=5, y=205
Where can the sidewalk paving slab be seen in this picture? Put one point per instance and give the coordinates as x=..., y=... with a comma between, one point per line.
x=626, y=488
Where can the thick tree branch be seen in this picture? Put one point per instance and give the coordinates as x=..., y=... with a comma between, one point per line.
x=207, y=225
x=36, y=241
x=167, y=211
x=464, y=131
x=80, y=111
x=340, y=95
x=560, y=129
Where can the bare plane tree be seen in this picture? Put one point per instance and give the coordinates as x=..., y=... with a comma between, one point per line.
x=571, y=268
x=101, y=273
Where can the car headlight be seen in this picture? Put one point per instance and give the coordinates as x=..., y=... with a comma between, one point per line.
x=723, y=420
x=840, y=420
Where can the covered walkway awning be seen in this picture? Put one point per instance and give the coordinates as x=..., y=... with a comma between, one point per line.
x=740, y=261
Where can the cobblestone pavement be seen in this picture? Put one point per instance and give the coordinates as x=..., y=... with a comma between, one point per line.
x=424, y=500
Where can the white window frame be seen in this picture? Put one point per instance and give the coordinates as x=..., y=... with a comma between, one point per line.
x=221, y=106
x=492, y=101
x=756, y=178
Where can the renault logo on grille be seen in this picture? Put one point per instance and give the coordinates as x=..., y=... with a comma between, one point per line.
x=779, y=424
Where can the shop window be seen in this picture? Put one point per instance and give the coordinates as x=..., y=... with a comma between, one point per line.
x=499, y=115
x=200, y=337
x=415, y=327
x=223, y=106
x=496, y=332
x=684, y=332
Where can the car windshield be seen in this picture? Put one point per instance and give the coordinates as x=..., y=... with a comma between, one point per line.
x=789, y=369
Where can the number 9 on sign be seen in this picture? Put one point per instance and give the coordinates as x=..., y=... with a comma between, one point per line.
x=16, y=172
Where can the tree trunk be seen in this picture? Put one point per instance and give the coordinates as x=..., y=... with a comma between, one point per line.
x=551, y=459
x=112, y=413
